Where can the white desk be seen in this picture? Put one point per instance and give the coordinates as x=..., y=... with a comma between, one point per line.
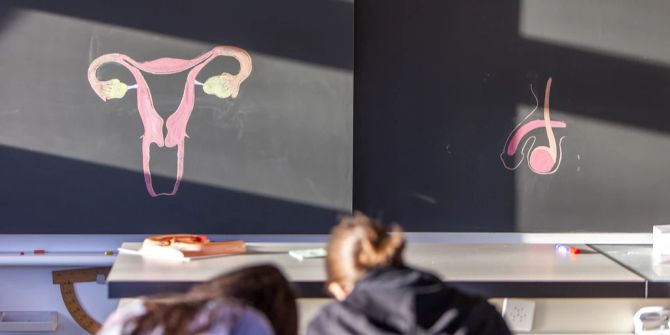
x=510, y=270
x=639, y=259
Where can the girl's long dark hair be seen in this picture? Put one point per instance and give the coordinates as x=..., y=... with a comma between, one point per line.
x=262, y=287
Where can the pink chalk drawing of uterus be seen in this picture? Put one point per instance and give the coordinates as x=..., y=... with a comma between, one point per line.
x=543, y=160
x=222, y=86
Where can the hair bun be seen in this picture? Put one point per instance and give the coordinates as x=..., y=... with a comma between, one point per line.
x=359, y=244
x=379, y=248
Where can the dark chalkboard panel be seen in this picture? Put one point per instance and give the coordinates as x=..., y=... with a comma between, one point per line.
x=440, y=85
x=275, y=159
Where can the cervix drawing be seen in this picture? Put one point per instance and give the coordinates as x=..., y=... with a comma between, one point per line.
x=223, y=86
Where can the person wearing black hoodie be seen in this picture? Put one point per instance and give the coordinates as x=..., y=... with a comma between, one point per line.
x=376, y=293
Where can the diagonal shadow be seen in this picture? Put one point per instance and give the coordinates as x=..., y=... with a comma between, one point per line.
x=43, y=194
x=600, y=86
x=306, y=30
x=415, y=58
x=434, y=82
x=51, y=194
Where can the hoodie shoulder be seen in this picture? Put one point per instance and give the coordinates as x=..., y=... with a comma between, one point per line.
x=485, y=319
x=337, y=318
x=475, y=315
x=327, y=321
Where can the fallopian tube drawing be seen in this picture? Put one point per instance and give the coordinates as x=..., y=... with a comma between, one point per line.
x=542, y=160
x=223, y=86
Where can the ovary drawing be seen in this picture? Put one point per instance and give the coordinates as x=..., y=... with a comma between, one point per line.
x=222, y=86
x=542, y=160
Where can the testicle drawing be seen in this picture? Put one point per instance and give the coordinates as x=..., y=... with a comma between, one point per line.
x=223, y=86
x=542, y=159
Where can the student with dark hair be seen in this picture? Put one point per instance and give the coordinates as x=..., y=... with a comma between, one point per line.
x=262, y=287
x=253, y=300
x=377, y=293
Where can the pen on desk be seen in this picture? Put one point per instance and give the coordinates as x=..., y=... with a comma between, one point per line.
x=564, y=249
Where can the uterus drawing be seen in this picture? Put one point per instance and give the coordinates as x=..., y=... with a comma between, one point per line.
x=223, y=86
x=542, y=160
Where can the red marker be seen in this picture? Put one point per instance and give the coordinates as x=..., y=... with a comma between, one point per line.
x=39, y=252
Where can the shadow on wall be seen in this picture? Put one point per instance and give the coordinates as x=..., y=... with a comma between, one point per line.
x=306, y=30
x=42, y=194
x=437, y=89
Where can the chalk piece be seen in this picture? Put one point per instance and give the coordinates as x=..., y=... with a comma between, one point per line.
x=307, y=253
x=39, y=252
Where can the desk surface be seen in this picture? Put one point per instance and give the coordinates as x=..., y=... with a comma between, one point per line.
x=640, y=260
x=520, y=270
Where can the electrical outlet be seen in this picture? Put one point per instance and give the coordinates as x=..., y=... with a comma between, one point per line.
x=519, y=314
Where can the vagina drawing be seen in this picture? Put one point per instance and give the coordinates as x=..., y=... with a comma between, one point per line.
x=542, y=160
x=223, y=86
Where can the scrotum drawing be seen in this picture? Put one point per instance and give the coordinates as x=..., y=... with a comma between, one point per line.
x=542, y=160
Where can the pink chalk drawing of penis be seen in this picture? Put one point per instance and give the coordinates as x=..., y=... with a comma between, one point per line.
x=223, y=86
x=542, y=160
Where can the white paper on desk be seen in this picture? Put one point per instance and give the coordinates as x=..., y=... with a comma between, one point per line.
x=156, y=253
x=165, y=254
x=307, y=253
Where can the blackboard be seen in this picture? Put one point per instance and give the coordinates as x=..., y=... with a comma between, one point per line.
x=441, y=84
x=275, y=156
x=439, y=88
